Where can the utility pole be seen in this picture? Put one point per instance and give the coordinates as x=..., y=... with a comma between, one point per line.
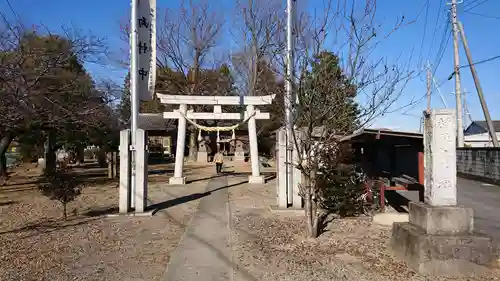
x=465, y=106
x=289, y=97
x=458, y=95
x=429, y=88
x=479, y=89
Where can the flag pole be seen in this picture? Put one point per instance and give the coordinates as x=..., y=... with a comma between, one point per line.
x=134, y=95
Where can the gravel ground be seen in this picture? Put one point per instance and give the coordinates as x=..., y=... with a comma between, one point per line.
x=269, y=246
x=37, y=245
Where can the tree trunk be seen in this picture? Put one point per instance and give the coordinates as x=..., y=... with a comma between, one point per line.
x=109, y=159
x=4, y=145
x=65, y=211
x=115, y=164
x=50, y=153
x=308, y=210
x=193, y=146
x=101, y=157
x=80, y=155
x=311, y=206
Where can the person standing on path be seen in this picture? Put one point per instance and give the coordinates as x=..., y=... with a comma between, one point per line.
x=219, y=160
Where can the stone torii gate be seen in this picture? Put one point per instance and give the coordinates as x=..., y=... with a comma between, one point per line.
x=183, y=115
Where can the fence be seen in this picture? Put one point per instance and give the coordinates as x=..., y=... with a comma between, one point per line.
x=481, y=163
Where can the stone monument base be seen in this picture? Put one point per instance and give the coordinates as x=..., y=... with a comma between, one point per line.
x=239, y=156
x=202, y=157
x=439, y=241
x=256, y=180
x=174, y=180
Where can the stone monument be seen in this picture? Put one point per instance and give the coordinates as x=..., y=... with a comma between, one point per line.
x=202, y=152
x=439, y=238
x=239, y=152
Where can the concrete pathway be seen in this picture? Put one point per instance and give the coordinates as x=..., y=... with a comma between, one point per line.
x=203, y=253
x=485, y=200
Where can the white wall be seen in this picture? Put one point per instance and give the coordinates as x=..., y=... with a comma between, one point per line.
x=479, y=140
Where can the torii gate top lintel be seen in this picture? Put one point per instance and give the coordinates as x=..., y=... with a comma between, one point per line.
x=216, y=100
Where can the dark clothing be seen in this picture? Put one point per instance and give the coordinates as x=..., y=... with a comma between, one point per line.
x=218, y=167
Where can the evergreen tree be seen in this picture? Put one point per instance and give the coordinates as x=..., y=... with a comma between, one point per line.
x=327, y=96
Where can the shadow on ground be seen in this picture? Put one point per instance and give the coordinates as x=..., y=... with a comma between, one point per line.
x=11, y=186
x=195, y=196
x=7, y=203
x=47, y=226
x=100, y=211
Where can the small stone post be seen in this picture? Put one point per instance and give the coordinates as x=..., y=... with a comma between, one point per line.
x=281, y=166
x=288, y=196
x=124, y=204
x=178, y=177
x=141, y=172
x=254, y=150
x=439, y=238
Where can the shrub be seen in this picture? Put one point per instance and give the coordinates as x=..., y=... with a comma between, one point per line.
x=61, y=185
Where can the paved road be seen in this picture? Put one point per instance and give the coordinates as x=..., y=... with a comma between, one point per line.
x=485, y=200
x=203, y=253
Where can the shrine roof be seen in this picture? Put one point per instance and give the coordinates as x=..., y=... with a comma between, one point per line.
x=385, y=132
x=152, y=122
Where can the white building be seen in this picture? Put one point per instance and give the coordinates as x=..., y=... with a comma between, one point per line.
x=476, y=135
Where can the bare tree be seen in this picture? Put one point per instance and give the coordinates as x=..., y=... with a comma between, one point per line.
x=339, y=90
x=43, y=83
x=187, y=37
x=259, y=28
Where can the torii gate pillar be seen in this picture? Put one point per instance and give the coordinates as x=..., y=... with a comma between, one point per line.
x=178, y=177
x=254, y=150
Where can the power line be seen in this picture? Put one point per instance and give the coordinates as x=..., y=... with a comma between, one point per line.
x=442, y=54
x=421, y=10
x=442, y=48
x=483, y=15
x=475, y=63
x=443, y=37
x=470, y=3
x=435, y=29
x=482, y=61
x=425, y=31
x=13, y=11
x=468, y=8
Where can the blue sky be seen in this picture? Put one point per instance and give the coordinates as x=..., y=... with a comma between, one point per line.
x=102, y=18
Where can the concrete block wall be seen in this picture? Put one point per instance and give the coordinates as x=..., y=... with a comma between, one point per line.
x=481, y=163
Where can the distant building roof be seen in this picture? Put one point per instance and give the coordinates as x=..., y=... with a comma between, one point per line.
x=477, y=127
x=317, y=132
